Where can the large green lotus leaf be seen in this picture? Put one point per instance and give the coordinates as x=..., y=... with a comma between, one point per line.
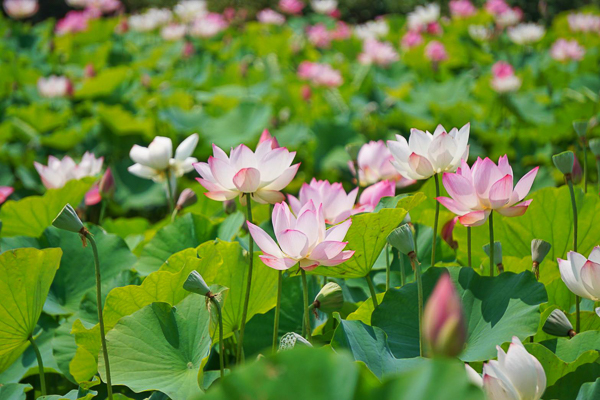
x=32, y=215
x=186, y=232
x=121, y=122
x=496, y=309
x=161, y=347
x=14, y=391
x=569, y=350
x=589, y=391
x=25, y=278
x=103, y=84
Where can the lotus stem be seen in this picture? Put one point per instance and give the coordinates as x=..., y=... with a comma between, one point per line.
x=90, y=239
x=585, y=166
x=416, y=266
x=402, y=271
x=598, y=169
x=240, y=344
x=469, y=247
x=277, y=312
x=435, y=221
x=491, y=224
x=215, y=302
x=170, y=192
x=306, y=312
x=574, y=206
x=372, y=290
x=40, y=364
x=388, y=267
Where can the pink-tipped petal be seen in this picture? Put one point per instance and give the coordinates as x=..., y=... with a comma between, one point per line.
x=590, y=276
x=523, y=187
x=460, y=189
x=221, y=195
x=340, y=258
x=247, y=180
x=420, y=165
x=293, y=243
x=475, y=218
x=515, y=211
x=501, y=191
x=270, y=196
x=92, y=197
x=327, y=250
x=280, y=264
x=264, y=241
x=338, y=232
x=453, y=205
x=284, y=179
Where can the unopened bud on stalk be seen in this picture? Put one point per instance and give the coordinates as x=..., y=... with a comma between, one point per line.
x=581, y=127
x=539, y=250
x=68, y=220
x=595, y=147
x=447, y=233
x=329, y=299
x=186, y=199
x=564, y=162
x=577, y=174
x=107, y=184
x=195, y=284
x=558, y=324
x=497, y=254
x=444, y=329
x=402, y=239
x=291, y=340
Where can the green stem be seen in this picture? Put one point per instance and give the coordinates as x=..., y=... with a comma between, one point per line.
x=574, y=206
x=170, y=192
x=435, y=221
x=102, y=211
x=469, y=246
x=598, y=169
x=402, y=270
x=584, y=167
x=388, y=267
x=306, y=312
x=491, y=224
x=240, y=344
x=277, y=312
x=221, y=344
x=40, y=364
x=90, y=239
x=417, y=269
x=372, y=290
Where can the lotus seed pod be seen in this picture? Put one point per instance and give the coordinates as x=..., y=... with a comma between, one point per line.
x=564, y=162
x=195, y=284
x=68, y=220
x=595, y=147
x=581, y=127
x=539, y=250
x=291, y=340
x=401, y=238
x=558, y=324
x=330, y=298
x=497, y=252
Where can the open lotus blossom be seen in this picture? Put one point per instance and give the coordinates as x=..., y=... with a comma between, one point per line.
x=480, y=33
x=378, y=53
x=496, y=7
x=371, y=196
x=504, y=79
x=293, y=7
x=54, y=86
x=341, y=32
x=422, y=16
x=150, y=20
x=425, y=155
x=582, y=275
x=375, y=164
x=19, y=9
x=271, y=17
x=319, y=35
x=173, y=32
x=303, y=240
x=565, y=50
x=5, y=191
x=526, y=33
x=411, y=39
x=262, y=174
x=580, y=22
x=435, y=51
x=208, y=25
x=516, y=375
x=324, y=6
x=75, y=21
x=510, y=17
x=375, y=29
x=320, y=74
x=337, y=205
x=156, y=160
x=461, y=8
x=477, y=191
x=189, y=10
x=58, y=172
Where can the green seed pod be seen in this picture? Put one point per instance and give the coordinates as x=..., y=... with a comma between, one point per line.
x=558, y=324
x=330, y=298
x=68, y=220
x=564, y=162
x=497, y=252
x=291, y=340
x=195, y=284
x=539, y=250
x=581, y=127
x=402, y=239
x=595, y=147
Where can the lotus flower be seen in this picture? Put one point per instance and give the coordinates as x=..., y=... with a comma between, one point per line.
x=436, y=52
x=461, y=8
x=378, y=53
x=320, y=74
x=302, y=240
x=58, y=172
x=375, y=164
x=293, y=7
x=261, y=174
x=582, y=275
x=324, y=6
x=156, y=160
x=337, y=206
x=516, y=375
x=341, y=32
x=75, y=21
x=268, y=16
x=565, y=50
x=189, y=10
x=5, y=191
x=319, y=35
x=422, y=16
x=510, y=17
x=425, y=155
x=504, y=79
x=480, y=33
x=370, y=197
x=150, y=20
x=173, y=32
x=476, y=192
x=411, y=39
x=208, y=25
x=580, y=22
x=19, y=9
x=54, y=86
x=526, y=33
x=372, y=29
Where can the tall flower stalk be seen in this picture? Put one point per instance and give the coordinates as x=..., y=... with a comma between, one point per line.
x=307, y=328
x=436, y=220
x=240, y=344
x=491, y=225
x=277, y=312
x=40, y=361
x=469, y=262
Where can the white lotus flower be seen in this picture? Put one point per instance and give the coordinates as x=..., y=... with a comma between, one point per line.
x=372, y=29
x=425, y=155
x=153, y=162
x=189, y=10
x=517, y=375
x=526, y=33
x=582, y=275
x=423, y=16
x=324, y=6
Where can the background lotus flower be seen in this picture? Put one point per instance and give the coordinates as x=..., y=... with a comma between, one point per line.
x=189, y=10
x=526, y=33
x=565, y=50
x=370, y=197
x=302, y=240
x=262, y=174
x=378, y=53
x=5, y=191
x=422, y=16
x=448, y=233
x=319, y=35
x=375, y=164
x=54, y=86
x=19, y=9
x=337, y=205
x=208, y=25
x=461, y=8
x=411, y=39
x=320, y=74
x=268, y=16
x=582, y=275
x=504, y=79
x=324, y=6
x=372, y=29
x=580, y=22
x=425, y=155
x=173, y=32
x=293, y=7
x=476, y=191
x=435, y=51
x=515, y=375
x=480, y=33
x=58, y=172
x=153, y=162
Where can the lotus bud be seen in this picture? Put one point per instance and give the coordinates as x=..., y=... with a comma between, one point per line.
x=497, y=254
x=186, y=199
x=229, y=206
x=68, y=220
x=291, y=340
x=577, y=174
x=107, y=184
x=581, y=127
x=402, y=239
x=564, y=162
x=306, y=93
x=447, y=233
x=195, y=284
x=89, y=71
x=558, y=324
x=595, y=147
x=266, y=135
x=539, y=250
x=444, y=329
x=352, y=149
x=329, y=299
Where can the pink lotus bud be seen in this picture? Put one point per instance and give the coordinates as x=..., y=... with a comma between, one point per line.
x=434, y=28
x=266, y=135
x=335, y=14
x=186, y=199
x=306, y=93
x=229, y=13
x=444, y=329
x=577, y=173
x=92, y=197
x=107, y=184
x=89, y=71
x=122, y=27
x=447, y=231
x=411, y=39
x=435, y=51
x=5, y=191
x=188, y=50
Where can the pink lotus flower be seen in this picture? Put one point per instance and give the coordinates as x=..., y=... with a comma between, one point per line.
x=305, y=93
x=582, y=275
x=375, y=164
x=303, y=240
x=293, y=7
x=564, y=50
x=74, y=21
x=476, y=192
x=510, y=17
x=580, y=22
x=496, y=7
x=326, y=7
x=411, y=39
x=104, y=6
x=371, y=196
x=271, y=17
x=54, y=86
x=435, y=51
x=261, y=174
x=504, y=79
x=188, y=50
x=434, y=28
x=319, y=74
x=5, y=191
x=319, y=35
x=19, y=9
x=58, y=172
x=422, y=16
x=208, y=25
x=337, y=205
x=461, y=8
x=341, y=32
x=266, y=136
x=378, y=53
